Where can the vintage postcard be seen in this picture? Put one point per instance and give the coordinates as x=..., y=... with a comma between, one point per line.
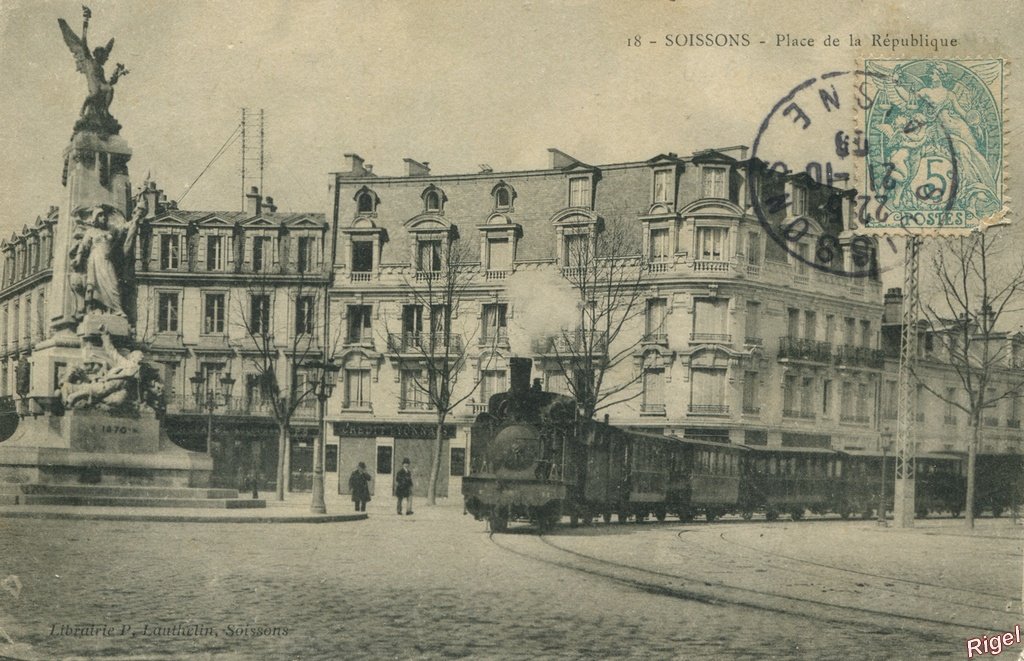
x=349, y=329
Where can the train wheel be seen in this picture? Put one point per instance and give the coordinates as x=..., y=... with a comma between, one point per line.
x=641, y=517
x=771, y=515
x=710, y=515
x=660, y=514
x=747, y=515
x=685, y=516
x=796, y=513
x=623, y=517
x=607, y=516
x=955, y=513
x=498, y=523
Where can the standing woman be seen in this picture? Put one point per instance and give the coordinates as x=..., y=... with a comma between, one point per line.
x=359, y=485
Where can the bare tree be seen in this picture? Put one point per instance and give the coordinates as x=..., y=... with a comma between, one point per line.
x=605, y=269
x=976, y=286
x=441, y=288
x=280, y=352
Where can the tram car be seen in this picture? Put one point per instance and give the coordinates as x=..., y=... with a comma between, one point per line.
x=790, y=480
x=939, y=485
x=999, y=480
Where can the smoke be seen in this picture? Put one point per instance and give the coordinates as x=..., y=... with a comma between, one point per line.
x=543, y=304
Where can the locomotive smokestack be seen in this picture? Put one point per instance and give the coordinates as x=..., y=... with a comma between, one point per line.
x=520, y=377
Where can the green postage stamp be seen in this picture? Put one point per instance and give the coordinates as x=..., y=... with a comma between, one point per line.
x=934, y=130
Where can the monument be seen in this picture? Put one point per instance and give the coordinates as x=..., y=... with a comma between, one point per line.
x=90, y=406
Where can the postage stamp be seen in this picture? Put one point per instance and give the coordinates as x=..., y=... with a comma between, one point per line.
x=934, y=143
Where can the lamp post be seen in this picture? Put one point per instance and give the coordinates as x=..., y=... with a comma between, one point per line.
x=327, y=376
x=207, y=398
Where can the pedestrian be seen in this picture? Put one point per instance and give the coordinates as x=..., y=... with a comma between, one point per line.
x=359, y=485
x=403, y=487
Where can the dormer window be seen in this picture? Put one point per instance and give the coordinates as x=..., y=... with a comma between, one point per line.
x=433, y=199
x=799, y=200
x=170, y=252
x=714, y=181
x=260, y=253
x=366, y=202
x=306, y=254
x=579, y=192
x=503, y=195
x=663, y=188
x=214, y=253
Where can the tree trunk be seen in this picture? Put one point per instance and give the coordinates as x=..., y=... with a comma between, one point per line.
x=972, y=455
x=435, y=462
x=282, y=468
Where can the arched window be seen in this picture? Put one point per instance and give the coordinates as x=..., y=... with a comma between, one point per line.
x=501, y=198
x=432, y=201
x=365, y=202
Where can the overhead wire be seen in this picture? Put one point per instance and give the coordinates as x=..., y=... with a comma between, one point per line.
x=220, y=152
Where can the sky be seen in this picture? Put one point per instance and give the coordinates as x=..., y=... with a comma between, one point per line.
x=458, y=84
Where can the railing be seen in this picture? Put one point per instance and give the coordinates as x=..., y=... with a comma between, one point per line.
x=360, y=276
x=1013, y=423
x=423, y=343
x=577, y=343
x=658, y=267
x=655, y=338
x=798, y=413
x=478, y=407
x=846, y=417
x=751, y=410
x=234, y=406
x=425, y=276
x=413, y=405
x=711, y=265
x=494, y=336
x=357, y=404
x=753, y=341
x=795, y=348
x=721, y=338
x=949, y=420
x=753, y=269
x=847, y=354
x=496, y=274
x=653, y=409
x=709, y=409
x=573, y=271
x=360, y=340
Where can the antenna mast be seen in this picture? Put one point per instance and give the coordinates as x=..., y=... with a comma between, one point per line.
x=252, y=151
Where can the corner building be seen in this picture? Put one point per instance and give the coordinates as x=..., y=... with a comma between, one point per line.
x=740, y=341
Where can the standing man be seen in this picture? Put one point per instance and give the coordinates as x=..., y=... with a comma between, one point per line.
x=403, y=487
x=359, y=485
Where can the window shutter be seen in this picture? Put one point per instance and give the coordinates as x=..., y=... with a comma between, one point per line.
x=245, y=245
x=201, y=250
x=229, y=252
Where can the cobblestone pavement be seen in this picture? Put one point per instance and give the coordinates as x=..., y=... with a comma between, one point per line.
x=436, y=584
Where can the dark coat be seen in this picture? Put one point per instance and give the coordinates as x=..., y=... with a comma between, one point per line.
x=359, y=484
x=403, y=483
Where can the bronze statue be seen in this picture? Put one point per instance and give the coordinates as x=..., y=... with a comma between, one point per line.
x=95, y=113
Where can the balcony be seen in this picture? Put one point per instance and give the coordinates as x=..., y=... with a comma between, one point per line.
x=357, y=405
x=949, y=420
x=656, y=338
x=412, y=405
x=859, y=419
x=423, y=344
x=714, y=338
x=799, y=414
x=795, y=348
x=652, y=409
x=235, y=406
x=494, y=336
x=477, y=407
x=573, y=272
x=753, y=341
x=495, y=274
x=1013, y=423
x=851, y=356
x=709, y=409
x=359, y=340
x=658, y=267
x=427, y=276
x=753, y=270
x=749, y=409
x=579, y=343
x=711, y=266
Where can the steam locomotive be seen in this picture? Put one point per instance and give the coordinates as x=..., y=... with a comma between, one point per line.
x=534, y=459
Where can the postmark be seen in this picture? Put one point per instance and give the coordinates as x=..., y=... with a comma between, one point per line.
x=934, y=135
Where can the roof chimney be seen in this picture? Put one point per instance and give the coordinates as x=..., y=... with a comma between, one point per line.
x=415, y=168
x=152, y=195
x=354, y=162
x=368, y=168
x=253, y=201
x=268, y=204
x=559, y=160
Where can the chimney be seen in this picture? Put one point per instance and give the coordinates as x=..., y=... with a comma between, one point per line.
x=415, y=168
x=559, y=160
x=520, y=369
x=268, y=204
x=253, y=200
x=368, y=168
x=152, y=196
x=355, y=165
x=892, y=312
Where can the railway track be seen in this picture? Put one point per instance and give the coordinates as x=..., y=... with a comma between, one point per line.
x=701, y=587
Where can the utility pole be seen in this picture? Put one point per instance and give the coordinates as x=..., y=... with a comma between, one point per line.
x=252, y=151
x=906, y=418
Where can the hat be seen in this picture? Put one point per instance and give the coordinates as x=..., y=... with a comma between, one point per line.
x=362, y=464
x=405, y=461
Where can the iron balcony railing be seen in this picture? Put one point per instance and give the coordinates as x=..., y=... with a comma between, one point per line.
x=720, y=338
x=798, y=413
x=413, y=405
x=751, y=410
x=709, y=409
x=424, y=343
x=850, y=355
x=655, y=409
x=493, y=336
x=659, y=337
x=1013, y=423
x=577, y=343
x=796, y=348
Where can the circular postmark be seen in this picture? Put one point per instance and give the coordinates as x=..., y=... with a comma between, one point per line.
x=832, y=158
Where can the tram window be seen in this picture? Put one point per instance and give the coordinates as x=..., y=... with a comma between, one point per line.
x=773, y=466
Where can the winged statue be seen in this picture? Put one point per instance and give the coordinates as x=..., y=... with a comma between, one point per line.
x=95, y=113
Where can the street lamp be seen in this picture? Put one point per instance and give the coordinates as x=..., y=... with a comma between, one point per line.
x=327, y=377
x=210, y=399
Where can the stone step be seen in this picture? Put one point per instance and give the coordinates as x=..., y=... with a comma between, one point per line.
x=116, y=501
x=119, y=491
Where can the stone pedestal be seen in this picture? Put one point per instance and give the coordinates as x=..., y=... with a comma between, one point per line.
x=93, y=447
